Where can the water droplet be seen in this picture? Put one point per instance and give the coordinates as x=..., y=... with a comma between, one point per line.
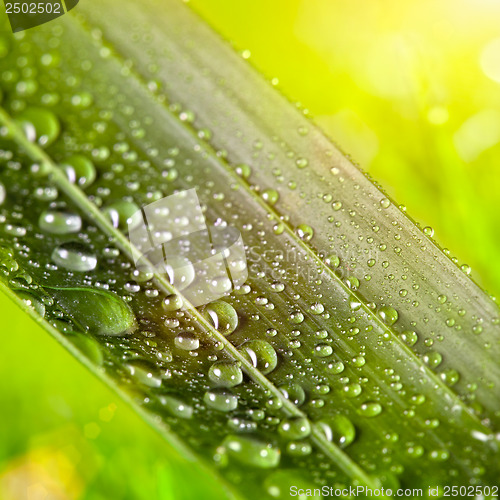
x=433, y=359
x=144, y=373
x=301, y=162
x=123, y=214
x=270, y=196
x=98, y=311
x=439, y=455
x=243, y=171
x=260, y=354
x=389, y=315
x=410, y=338
x=176, y=407
x=298, y=449
x=305, y=232
x=39, y=125
x=142, y=275
x=187, y=342
x=339, y=430
x=317, y=308
x=180, y=272
x=296, y=428
x=59, y=222
x=31, y=301
x=74, y=256
x=225, y=374
x=79, y=170
x=296, y=317
x=294, y=393
x=370, y=409
x=415, y=451
x=323, y=350
x=332, y=261
x=222, y=316
x=352, y=390
x=221, y=400
x=466, y=268
x=352, y=282
x=335, y=368
x=172, y=303
x=251, y=452
x=385, y=203
x=442, y=299
x=428, y=231
x=450, y=377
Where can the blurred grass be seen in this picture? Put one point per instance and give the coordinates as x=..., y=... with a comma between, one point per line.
x=408, y=89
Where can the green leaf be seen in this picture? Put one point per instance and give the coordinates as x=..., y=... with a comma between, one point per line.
x=357, y=352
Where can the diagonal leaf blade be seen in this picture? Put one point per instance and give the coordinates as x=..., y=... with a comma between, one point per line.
x=347, y=360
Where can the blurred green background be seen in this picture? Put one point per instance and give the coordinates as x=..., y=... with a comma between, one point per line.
x=409, y=89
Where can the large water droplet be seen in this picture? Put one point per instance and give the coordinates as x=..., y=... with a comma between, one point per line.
x=389, y=315
x=296, y=428
x=79, y=170
x=370, y=409
x=222, y=316
x=251, y=452
x=74, y=256
x=176, y=407
x=260, y=354
x=221, y=400
x=225, y=374
x=187, y=341
x=294, y=393
x=98, y=311
x=59, y=222
x=39, y=125
x=144, y=373
x=433, y=359
x=305, y=232
x=339, y=429
x=123, y=214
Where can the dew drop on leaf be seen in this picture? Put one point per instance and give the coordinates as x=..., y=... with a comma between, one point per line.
x=370, y=409
x=388, y=315
x=339, y=430
x=221, y=400
x=260, y=354
x=298, y=449
x=222, y=316
x=252, y=452
x=59, y=222
x=409, y=337
x=97, y=311
x=172, y=303
x=305, y=232
x=79, y=170
x=225, y=374
x=187, y=342
x=270, y=196
x=144, y=373
x=39, y=125
x=74, y=256
x=296, y=428
x=176, y=406
x=432, y=359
